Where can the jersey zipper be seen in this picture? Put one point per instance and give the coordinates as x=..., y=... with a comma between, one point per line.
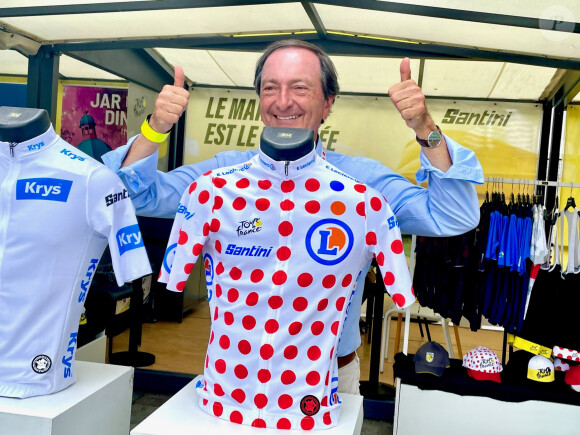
x=12, y=145
x=286, y=168
x=6, y=202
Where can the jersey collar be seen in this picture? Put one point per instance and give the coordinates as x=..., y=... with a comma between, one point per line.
x=288, y=169
x=31, y=146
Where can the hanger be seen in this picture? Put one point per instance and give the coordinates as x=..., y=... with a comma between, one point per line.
x=570, y=202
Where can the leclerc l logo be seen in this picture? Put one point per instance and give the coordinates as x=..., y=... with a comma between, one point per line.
x=129, y=238
x=168, y=257
x=329, y=241
x=208, y=266
x=47, y=189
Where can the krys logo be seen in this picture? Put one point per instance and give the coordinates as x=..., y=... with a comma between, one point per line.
x=129, y=238
x=329, y=241
x=47, y=189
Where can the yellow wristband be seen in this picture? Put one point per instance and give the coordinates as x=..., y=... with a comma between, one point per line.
x=151, y=134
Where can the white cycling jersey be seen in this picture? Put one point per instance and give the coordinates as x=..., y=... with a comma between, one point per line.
x=58, y=210
x=283, y=244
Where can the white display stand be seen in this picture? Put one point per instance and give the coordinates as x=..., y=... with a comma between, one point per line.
x=438, y=412
x=94, y=351
x=98, y=403
x=181, y=415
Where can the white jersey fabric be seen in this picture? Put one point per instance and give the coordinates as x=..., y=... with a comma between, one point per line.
x=283, y=244
x=58, y=210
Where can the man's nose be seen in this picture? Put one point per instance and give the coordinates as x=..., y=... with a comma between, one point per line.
x=284, y=98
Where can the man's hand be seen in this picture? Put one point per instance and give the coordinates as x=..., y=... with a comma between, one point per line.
x=409, y=100
x=170, y=104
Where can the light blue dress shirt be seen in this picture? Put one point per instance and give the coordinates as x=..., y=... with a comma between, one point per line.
x=448, y=207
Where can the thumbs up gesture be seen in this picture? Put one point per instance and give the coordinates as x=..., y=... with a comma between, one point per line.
x=409, y=100
x=170, y=104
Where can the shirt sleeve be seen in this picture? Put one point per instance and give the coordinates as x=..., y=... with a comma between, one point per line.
x=112, y=215
x=383, y=238
x=448, y=207
x=189, y=233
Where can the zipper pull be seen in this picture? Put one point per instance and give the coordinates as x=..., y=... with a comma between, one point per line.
x=12, y=145
x=286, y=167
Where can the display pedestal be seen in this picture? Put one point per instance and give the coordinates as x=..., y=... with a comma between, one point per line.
x=181, y=415
x=93, y=351
x=98, y=403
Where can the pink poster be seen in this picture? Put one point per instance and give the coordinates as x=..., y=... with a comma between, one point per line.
x=94, y=119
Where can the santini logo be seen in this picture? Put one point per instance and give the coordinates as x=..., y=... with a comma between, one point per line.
x=455, y=116
x=114, y=197
x=47, y=189
x=254, y=251
x=129, y=238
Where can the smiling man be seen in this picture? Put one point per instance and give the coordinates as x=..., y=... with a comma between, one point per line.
x=297, y=85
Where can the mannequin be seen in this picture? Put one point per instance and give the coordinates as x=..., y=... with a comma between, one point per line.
x=286, y=144
x=18, y=124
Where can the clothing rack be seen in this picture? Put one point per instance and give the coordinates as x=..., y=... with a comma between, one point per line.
x=541, y=183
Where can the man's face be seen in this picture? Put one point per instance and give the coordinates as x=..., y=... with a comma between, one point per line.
x=291, y=93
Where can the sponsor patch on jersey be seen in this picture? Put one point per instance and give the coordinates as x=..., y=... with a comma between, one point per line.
x=115, y=197
x=186, y=213
x=309, y=405
x=129, y=238
x=305, y=165
x=267, y=165
x=168, y=257
x=35, y=146
x=246, y=251
x=208, y=267
x=44, y=189
x=249, y=227
x=72, y=155
x=243, y=168
x=329, y=241
x=41, y=364
x=67, y=359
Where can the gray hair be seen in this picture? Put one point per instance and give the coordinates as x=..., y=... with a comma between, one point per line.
x=328, y=75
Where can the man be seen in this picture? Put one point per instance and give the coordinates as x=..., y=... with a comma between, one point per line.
x=297, y=84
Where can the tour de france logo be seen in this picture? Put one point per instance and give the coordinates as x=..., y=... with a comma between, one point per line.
x=41, y=364
x=329, y=241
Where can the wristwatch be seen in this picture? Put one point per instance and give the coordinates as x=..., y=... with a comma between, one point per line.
x=433, y=139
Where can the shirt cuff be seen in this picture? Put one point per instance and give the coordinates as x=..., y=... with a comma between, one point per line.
x=465, y=165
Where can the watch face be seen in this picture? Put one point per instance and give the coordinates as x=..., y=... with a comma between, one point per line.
x=434, y=138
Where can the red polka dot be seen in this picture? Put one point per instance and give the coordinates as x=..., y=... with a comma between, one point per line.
x=252, y=299
x=206, y=361
x=322, y=304
x=275, y=302
x=288, y=377
x=334, y=327
x=317, y=327
x=235, y=273
x=211, y=337
x=219, y=269
x=219, y=182
x=220, y=366
x=180, y=285
x=224, y=342
x=326, y=418
x=285, y=401
x=397, y=246
x=271, y=326
x=287, y=205
x=326, y=380
x=218, y=409
x=236, y=416
x=340, y=303
x=239, y=203
x=294, y=328
x=233, y=295
x=381, y=259
x=204, y=402
x=242, y=183
x=312, y=378
x=241, y=371
x=264, y=184
x=266, y=351
x=360, y=208
x=312, y=207
x=347, y=280
x=248, y=322
x=218, y=390
x=283, y=423
x=285, y=228
x=376, y=203
x=264, y=375
x=256, y=275
x=228, y=318
x=290, y=352
x=324, y=401
x=259, y=423
x=207, y=173
x=283, y=253
x=287, y=186
x=279, y=277
x=371, y=238
x=188, y=268
x=312, y=185
x=214, y=226
x=307, y=423
x=313, y=353
x=218, y=246
x=361, y=188
x=217, y=203
x=300, y=303
x=218, y=290
x=192, y=186
x=182, y=238
x=260, y=400
x=304, y=279
x=388, y=278
x=203, y=196
x=244, y=347
x=197, y=248
x=215, y=314
x=262, y=204
x=328, y=281
x=205, y=229
x=399, y=299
